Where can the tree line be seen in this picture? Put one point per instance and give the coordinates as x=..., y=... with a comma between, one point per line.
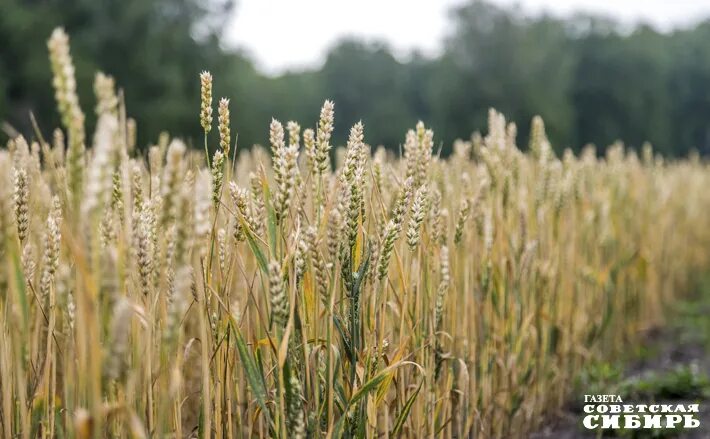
x=590, y=78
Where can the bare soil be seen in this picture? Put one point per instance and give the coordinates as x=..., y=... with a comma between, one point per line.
x=681, y=344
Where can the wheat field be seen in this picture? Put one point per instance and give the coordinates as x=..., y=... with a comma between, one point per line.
x=310, y=290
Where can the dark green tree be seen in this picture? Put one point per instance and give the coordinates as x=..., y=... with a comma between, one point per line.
x=689, y=87
x=620, y=89
x=154, y=48
x=591, y=79
x=499, y=58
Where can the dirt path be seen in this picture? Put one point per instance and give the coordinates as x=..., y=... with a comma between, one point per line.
x=674, y=367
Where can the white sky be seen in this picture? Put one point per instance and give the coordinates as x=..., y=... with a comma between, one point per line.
x=293, y=34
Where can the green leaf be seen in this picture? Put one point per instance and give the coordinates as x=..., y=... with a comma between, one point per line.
x=21, y=291
x=402, y=417
x=254, y=245
x=367, y=252
x=256, y=382
x=366, y=388
x=554, y=340
x=343, y=336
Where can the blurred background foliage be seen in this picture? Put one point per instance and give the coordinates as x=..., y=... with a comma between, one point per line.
x=591, y=79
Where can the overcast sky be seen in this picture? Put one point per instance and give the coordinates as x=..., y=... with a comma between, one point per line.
x=293, y=34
